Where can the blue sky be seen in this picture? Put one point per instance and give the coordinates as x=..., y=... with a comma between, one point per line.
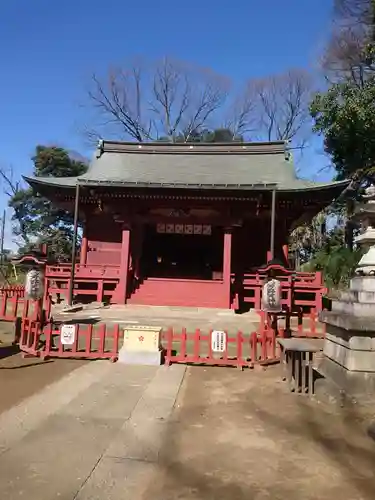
x=49, y=49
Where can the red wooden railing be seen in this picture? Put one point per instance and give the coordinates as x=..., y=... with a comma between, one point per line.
x=13, y=305
x=96, y=282
x=300, y=290
x=301, y=324
x=241, y=350
x=103, y=341
x=91, y=341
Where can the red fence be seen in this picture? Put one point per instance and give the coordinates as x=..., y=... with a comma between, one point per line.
x=13, y=290
x=13, y=305
x=299, y=324
x=240, y=350
x=103, y=342
x=91, y=341
x=92, y=282
x=300, y=290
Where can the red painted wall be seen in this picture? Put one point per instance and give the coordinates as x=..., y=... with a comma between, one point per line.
x=104, y=241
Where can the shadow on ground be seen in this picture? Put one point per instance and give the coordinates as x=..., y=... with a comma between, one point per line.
x=8, y=350
x=238, y=436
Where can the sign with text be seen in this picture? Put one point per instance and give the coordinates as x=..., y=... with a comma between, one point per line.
x=204, y=229
x=218, y=341
x=271, y=296
x=68, y=334
x=34, y=284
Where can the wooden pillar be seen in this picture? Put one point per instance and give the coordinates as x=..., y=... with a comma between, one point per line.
x=273, y=225
x=84, y=246
x=124, y=267
x=138, y=251
x=74, y=248
x=227, y=256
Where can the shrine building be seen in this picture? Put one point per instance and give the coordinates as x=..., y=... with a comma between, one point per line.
x=179, y=224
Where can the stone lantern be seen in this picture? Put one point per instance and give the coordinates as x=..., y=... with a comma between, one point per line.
x=349, y=347
x=34, y=262
x=271, y=290
x=365, y=212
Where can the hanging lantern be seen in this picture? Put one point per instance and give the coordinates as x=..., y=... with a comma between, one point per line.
x=271, y=296
x=34, y=284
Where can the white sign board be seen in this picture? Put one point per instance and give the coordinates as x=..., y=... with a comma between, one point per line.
x=68, y=334
x=218, y=341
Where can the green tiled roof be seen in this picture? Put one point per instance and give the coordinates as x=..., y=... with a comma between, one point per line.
x=235, y=166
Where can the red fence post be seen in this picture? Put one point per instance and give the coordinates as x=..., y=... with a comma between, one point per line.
x=116, y=338
x=197, y=335
x=3, y=304
x=239, y=339
x=183, y=352
x=168, y=356
x=88, y=342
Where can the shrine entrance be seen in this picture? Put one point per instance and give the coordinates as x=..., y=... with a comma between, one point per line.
x=183, y=251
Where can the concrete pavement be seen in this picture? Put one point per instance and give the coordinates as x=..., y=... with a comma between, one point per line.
x=176, y=317
x=95, y=434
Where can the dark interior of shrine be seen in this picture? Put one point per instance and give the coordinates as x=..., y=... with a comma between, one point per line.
x=181, y=255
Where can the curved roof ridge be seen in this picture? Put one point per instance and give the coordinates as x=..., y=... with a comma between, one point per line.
x=196, y=148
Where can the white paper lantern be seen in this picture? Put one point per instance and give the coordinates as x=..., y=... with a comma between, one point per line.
x=271, y=296
x=34, y=284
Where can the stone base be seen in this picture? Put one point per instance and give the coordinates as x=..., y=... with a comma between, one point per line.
x=150, y=358
x=344, y=385
x=355, y=353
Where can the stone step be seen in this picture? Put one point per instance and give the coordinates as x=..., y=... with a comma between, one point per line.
x=353, y=308
x=362, y=283
x=362, y=296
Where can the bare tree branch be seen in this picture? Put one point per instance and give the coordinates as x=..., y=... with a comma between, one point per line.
x=11, y=188
x=346, y=56
x=282, y=107
x=241, y=117
x=147, y=102
x=354, y=11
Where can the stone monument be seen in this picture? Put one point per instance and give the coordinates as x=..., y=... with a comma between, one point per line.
x=348, y=363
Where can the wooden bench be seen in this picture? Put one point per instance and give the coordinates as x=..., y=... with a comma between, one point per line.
x=297, y=358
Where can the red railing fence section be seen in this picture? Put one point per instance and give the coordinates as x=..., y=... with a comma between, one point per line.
x=101, y=341
x=241, y=350
x=304, y=290
x=295, y=324
x=14, y=304
x=11, y=290
x=90, y=341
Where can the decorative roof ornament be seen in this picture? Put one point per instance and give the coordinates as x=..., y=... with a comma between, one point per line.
x=365, y=212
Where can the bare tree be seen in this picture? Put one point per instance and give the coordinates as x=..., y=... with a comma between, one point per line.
x=347, y=56
x=241, y=114
x=149, y=101
x=282, y=106
x=11, y=188
x=344, y=58
x=354, y=11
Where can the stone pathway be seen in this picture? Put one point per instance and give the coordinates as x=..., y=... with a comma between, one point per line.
x=113, y=432
x=190, y=318
x=94, y=434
